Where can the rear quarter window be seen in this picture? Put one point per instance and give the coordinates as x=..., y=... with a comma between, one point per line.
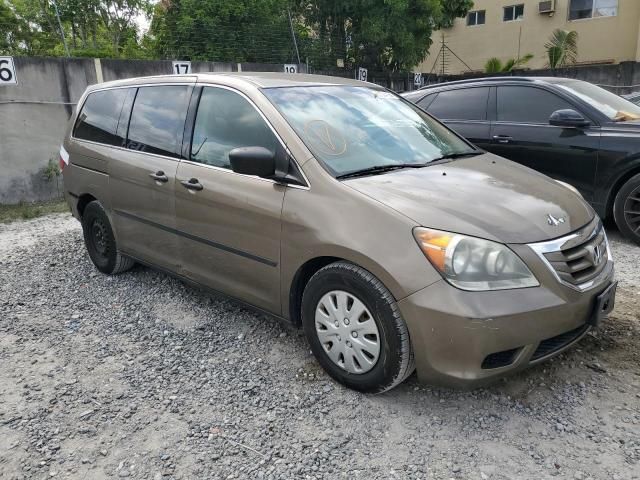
x=461, y=104
x=426, y=101
x=98, y=119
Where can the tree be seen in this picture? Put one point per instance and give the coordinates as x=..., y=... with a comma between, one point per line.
x=453, y=9
x=118, y=18
x=495, y=65
x=562, y=48
x=383, y=35
x=13, y=31
x=223, y=30
x=101, y=28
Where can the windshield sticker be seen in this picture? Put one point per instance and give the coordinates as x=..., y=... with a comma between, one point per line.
x=325, y=138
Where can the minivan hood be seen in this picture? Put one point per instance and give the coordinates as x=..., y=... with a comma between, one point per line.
x=484, y=196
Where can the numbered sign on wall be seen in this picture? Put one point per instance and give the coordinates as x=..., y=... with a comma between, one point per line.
x=417, y=79
x=362, y=74
x=290, y=68
x=182, y=67
x=7, y=71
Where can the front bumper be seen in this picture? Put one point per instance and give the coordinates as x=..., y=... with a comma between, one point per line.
x=467, y=339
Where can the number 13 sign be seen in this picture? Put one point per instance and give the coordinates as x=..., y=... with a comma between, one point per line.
x=7, y=71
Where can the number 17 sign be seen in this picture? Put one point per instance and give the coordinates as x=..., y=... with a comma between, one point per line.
x=182, y=67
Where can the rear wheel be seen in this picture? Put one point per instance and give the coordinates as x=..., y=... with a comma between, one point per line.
x=626, y=209
x=355, y=329
x=100, y=241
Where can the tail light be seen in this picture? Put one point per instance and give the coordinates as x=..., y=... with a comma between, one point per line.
x=64, y=158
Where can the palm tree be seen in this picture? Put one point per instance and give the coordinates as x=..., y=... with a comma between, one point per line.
x=562, y=48
x=495, y=65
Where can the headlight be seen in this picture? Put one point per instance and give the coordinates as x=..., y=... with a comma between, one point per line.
x=570, y=187
x=474, y=264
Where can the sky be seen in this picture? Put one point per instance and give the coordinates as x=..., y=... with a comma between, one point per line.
x=143, y=23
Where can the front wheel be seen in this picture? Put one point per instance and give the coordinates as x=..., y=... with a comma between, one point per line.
x=626, y=209
x=355, y=329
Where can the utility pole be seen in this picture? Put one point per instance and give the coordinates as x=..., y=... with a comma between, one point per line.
x=519, y=41
x=444, y=56
x=64, y=40
x=293, y=35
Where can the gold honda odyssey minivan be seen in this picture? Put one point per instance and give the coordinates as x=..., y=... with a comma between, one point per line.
x=344, y=209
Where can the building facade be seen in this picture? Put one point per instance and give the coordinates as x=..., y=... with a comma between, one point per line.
x=608, y=32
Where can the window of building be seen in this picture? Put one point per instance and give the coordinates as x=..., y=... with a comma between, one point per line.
x=98, y=120
x=513, y=12
x=476, y=17
x=226, y=120
x=579, y=9
x=527, y=105
x=157, y=119
x=461, y=104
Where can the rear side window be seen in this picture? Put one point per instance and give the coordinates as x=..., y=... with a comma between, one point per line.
x=426, y=101
x=98, y=119
x=157, y=120
x=226, y=120
x=527, y=104
x=461, y=104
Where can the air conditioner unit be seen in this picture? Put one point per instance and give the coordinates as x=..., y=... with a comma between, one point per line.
x=548, y=6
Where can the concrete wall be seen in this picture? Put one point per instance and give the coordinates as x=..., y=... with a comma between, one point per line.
x=603, y=39
x=34, y=114
x=33, y=118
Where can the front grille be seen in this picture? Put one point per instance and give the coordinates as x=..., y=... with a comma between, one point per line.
x=553, y=344
x=579, y=261
x=500, y=359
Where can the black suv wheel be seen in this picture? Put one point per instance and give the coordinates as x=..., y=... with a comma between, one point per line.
x=626, y=209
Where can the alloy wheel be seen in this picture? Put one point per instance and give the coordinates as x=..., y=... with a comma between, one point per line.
x=632, y=211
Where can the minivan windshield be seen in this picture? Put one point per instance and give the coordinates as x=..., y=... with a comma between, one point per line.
x=616, y=108
x=355, y=129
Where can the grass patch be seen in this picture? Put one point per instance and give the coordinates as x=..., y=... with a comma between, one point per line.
x=26, y=211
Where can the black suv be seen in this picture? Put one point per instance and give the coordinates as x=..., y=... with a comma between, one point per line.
x=571, y=130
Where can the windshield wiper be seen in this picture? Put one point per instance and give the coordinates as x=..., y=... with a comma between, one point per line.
x=454, y=155
x=376, y=169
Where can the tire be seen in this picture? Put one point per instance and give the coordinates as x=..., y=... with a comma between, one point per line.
x=379, y=369
x=628, y=201
x=100, y=241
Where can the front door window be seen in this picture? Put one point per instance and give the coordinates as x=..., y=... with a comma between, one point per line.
x=226, y=120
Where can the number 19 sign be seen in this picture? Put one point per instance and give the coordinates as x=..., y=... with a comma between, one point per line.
x=7, y=71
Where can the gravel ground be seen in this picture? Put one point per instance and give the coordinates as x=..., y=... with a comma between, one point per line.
x=141, y=376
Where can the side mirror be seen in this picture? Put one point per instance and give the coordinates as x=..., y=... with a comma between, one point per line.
x=568, y=118
x=257, y=161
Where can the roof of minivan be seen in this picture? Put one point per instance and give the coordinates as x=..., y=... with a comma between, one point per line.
x=258, y=79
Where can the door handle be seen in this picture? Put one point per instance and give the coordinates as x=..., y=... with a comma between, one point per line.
x=159, y=176
x=192, y=184
x=502, y=138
